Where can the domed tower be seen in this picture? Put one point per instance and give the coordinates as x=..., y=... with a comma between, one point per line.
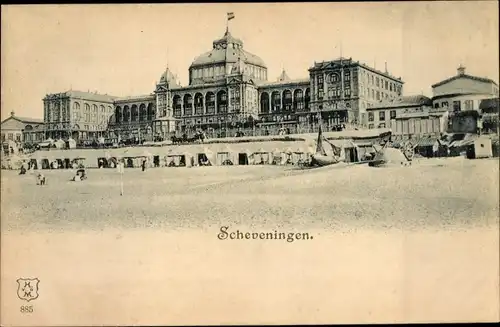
x=164, y=124
x=167, y=83
x=226, y=53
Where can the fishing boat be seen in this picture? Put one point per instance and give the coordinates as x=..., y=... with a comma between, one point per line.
x=321, y=158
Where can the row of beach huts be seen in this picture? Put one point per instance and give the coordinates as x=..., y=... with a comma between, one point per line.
x=278, y=150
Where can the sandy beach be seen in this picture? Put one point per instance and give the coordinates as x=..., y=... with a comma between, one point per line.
x=399, y=244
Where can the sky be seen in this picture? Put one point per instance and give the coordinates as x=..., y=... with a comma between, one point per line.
x=123, y=49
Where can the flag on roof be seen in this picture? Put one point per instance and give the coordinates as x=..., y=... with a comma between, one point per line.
x=230, y=15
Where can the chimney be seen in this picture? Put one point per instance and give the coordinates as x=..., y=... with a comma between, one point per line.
x=386, y=67
x=461, y=70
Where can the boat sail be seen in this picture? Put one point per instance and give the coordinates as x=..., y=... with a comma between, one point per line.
x=321, y=158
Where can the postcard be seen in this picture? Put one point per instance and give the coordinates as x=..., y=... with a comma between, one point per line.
x=249, y=163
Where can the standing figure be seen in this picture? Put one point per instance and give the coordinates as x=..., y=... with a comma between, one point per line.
x=143, y=165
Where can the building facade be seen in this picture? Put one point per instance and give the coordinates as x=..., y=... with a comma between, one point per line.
x=133, y=117
x=22, y=129
x=470, y=100
x=463, y=92
x=228, y=91
x=75, y=114
x=343, y=89
x=408, y=116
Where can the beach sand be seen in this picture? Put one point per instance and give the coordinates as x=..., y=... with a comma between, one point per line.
x=399, y=244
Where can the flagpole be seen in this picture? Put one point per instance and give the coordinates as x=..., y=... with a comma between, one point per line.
x=121, y=182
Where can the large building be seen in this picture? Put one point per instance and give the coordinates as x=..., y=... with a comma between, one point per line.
x=228, y=91
x=343, y=89
x=75, y=114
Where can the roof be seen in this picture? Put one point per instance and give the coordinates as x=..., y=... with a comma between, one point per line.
x=82, y=95
x=135, y=97
x=404, y=101
x=475, y=78
x=283, y=77
x=348, y=62
x=456, y=94
x=168, y=78
x=28, y=120
x=287, y=82
x=227, y=49
x=24, y=120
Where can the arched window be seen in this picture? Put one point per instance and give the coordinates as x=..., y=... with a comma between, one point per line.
x=126, y=114
x=135, y=113
x=118, y=114
x=264, y=102
x=177, y=104
x=298, y=100
x=334, y=78
x=143, y=113
x=188, y=105
x=198, y=104
x=87, y=112
x=210, y=102
x=222, y=101
x=307, y=99
x=287, y=100
x=151, y=112
x=275, y=101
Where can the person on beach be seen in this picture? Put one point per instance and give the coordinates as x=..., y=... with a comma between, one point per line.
x=40, y=179
x=143, y=165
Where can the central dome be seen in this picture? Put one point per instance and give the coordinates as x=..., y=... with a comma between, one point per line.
x=227, y=50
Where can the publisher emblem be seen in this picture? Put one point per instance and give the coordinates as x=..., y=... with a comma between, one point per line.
x=27, y=288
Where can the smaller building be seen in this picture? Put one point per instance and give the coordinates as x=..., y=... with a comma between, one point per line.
x=463, y=92
x=22, y=129
x=408, y=117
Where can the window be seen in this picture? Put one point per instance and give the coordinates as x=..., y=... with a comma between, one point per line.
x=334, y=78
x=393, y=114
x=347, y=92
x=386, y=85
x=371, y=116
x=373, y=94
x=18, y=137
x=390, y=87
x=378, y=82
x=381, y=125
x=347, y=76
x=320, y=94
x=371, y=126
x=378, y=95
x=11, y=137
x=331, y=93
x=469, y=105
x=381, y=115
x=456, y=105
x=444, y=104
x=436, y=105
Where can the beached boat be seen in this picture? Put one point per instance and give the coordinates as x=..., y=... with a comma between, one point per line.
x=321, y=158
